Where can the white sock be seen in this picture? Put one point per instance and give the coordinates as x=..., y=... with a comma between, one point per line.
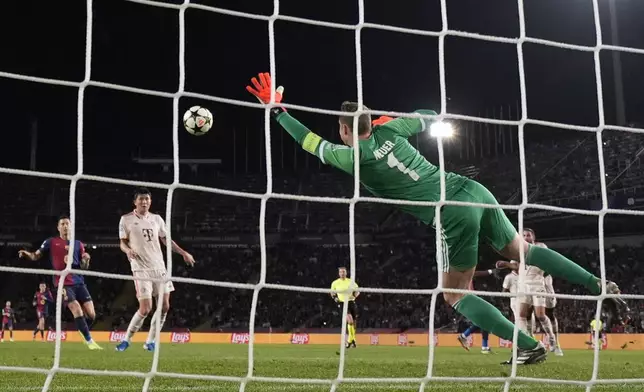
x=546, y=325
x=135, y=324
x=555, y=326
x=153, y=327
x=522, y=323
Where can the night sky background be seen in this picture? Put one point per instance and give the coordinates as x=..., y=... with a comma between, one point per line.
x=137, y=45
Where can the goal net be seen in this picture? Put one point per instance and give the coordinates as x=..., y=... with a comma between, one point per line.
x=340, y=382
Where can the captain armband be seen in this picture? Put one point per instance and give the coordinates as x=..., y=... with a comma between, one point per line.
x=311, y=142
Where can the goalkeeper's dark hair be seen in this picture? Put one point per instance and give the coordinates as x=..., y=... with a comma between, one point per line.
x=141, y=191
x=529, y=230
x=364, y=121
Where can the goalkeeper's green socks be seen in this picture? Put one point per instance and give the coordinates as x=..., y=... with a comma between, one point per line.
x=485, y=316
x=561, y=267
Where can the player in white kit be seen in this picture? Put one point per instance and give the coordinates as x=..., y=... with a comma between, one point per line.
x=551, y=303
x=140, y=234
x=535, y=283
x=510, y=284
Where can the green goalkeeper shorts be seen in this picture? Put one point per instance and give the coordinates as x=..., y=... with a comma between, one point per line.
x=463, y=226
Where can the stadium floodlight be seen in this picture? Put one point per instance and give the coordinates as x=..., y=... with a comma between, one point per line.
x=442, y=129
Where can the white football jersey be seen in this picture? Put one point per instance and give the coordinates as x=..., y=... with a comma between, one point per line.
x=534, y=274
x=143, y=233
x=511, y=283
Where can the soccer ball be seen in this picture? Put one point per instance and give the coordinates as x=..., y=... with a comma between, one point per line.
x=197, y=120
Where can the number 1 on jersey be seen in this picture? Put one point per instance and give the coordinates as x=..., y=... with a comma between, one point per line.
x=392, y=161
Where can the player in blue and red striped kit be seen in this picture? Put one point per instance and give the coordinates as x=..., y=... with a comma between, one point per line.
x=75, y=291
x=8, y=320
x=41, y=302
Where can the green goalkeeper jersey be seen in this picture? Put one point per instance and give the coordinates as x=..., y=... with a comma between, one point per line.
x=390, y=167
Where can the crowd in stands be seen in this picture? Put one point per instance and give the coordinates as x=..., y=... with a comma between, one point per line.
x=556, y=171
x=559, y=171
x=398, y=265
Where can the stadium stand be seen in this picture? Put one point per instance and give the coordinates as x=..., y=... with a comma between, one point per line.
x=307, y=240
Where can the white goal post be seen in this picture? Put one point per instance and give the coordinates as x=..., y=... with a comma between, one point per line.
x=422, y=382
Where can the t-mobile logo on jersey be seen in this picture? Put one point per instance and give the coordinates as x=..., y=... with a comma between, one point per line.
x=147, y=234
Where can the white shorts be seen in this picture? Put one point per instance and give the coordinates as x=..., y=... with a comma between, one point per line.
x=515, y=308
x=551, y=302
x=534, y=300
x=149, y=289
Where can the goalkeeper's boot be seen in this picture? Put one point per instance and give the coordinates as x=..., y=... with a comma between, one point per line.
x=123, y=345
x=529, y=357
x=463, y=341
x=354, y=344
x=617, y=307
x=149, y=346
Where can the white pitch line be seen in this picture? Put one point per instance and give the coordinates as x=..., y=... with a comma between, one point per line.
x=290, y=387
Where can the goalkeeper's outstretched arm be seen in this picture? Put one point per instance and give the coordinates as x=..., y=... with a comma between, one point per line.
x=336, y=155
x=339, y=156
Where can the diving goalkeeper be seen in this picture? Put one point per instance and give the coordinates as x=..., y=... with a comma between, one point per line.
x=390, y=167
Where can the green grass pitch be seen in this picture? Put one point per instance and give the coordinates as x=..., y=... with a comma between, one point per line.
x=303, y=361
